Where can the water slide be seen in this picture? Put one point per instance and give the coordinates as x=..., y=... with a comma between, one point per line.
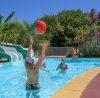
x=16, y=56
x=19, y=48
x=5, y=57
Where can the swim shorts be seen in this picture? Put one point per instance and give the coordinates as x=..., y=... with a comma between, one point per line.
x=35, y=86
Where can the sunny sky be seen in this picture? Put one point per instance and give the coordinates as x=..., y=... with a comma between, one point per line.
x=30, y=10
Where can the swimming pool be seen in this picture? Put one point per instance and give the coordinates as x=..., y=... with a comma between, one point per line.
x=13, y=77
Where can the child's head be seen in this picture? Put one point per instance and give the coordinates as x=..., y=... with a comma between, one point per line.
x=63, y=60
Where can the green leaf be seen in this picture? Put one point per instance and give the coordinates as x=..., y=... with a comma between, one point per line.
x=9, y=17
x=1, y=17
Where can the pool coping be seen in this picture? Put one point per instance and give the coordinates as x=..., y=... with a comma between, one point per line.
x=55, y=56
x=75, y=88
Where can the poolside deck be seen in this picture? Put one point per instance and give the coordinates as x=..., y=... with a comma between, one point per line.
x=55, y=56
x=86, y=85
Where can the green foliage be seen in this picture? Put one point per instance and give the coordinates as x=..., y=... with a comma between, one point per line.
x=4, y=27
x=66, y=25
x=61, y=30
x=9, y=17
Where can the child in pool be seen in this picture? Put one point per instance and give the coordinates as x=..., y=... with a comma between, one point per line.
x=63, y=66
x=32, y=66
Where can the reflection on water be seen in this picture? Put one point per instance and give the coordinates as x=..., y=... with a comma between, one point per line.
x=50, y=80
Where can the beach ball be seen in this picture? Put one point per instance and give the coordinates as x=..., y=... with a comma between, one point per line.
x=38, y=27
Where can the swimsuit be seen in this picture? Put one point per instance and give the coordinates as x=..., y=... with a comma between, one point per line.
x=35, y=86
x=63, y=68
x=29, y=59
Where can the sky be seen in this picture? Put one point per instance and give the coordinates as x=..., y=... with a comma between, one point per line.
x=30, y=10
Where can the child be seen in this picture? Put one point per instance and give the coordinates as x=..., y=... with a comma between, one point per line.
x=32, y=66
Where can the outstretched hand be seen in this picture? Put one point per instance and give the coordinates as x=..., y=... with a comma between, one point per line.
x=44, y=44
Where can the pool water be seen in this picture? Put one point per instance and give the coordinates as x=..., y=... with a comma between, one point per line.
x=13, y=77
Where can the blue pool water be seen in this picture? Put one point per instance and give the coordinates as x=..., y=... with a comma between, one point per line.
x=13, y=77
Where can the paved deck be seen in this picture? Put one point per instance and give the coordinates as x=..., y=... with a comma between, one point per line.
x=93, y=89
x=80, y=88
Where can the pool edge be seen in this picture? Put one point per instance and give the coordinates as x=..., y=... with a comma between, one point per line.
x=75, y=88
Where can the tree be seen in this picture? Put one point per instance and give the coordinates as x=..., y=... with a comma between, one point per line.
x=4, y=27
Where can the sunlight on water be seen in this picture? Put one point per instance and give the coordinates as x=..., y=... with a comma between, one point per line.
x=13, y=77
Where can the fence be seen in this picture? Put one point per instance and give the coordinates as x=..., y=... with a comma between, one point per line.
x=57, y=51
x=61, y=51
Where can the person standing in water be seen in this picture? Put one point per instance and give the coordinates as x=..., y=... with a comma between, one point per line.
x=62, y=66
x=75, y=54
x=32, y=66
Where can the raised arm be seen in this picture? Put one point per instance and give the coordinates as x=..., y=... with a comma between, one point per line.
x=42, y=55
x=30, y=47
